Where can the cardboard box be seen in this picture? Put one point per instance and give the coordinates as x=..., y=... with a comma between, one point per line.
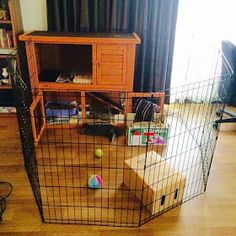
x=139, y=136
x=139, y=133
x=158, y=186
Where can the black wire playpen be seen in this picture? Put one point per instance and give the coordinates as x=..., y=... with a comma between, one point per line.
x=119, y=158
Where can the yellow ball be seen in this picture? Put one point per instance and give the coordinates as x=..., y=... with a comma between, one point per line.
x=99, y=152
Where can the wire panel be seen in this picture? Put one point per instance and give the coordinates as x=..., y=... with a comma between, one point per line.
x=120, y=158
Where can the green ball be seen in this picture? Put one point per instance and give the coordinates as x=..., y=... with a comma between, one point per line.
x=99, y=152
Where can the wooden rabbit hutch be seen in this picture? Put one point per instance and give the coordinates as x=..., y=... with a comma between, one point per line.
x=83, y=72
x=104, y=62
x=89, y=63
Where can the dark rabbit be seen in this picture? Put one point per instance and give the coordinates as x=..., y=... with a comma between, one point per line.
x=106, y=130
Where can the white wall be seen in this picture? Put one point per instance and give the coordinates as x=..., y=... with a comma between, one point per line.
x=34, y=14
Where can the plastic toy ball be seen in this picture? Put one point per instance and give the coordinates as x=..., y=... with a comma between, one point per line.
x=95, y=182
x=99, y=153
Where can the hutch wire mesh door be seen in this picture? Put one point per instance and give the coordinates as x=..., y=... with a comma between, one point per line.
x=119, y=158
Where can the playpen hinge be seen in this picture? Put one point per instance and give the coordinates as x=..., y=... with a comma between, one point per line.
x=216, y=124
x=21, y=82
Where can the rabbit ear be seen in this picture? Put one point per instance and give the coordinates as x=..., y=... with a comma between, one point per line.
x=83, y=129
x=112, y=137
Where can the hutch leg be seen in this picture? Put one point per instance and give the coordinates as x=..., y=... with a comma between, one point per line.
x=83, y=106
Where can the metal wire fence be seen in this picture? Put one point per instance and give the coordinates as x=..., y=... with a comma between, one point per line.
x=119, y=158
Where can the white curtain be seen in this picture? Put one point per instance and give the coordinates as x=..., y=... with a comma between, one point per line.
x=201, y=26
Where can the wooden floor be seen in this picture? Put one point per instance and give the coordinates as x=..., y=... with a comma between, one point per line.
x=212, y=213
x=65, y=160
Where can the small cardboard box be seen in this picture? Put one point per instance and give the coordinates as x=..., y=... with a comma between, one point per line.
x=140, y=136
x=141, y=133
x=158, y=186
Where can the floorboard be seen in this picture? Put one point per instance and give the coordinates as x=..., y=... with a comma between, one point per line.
x=211, y=213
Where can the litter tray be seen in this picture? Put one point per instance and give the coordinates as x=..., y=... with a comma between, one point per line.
x=55, y=109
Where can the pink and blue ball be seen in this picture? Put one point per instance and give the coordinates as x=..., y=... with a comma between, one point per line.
x=95, y=181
